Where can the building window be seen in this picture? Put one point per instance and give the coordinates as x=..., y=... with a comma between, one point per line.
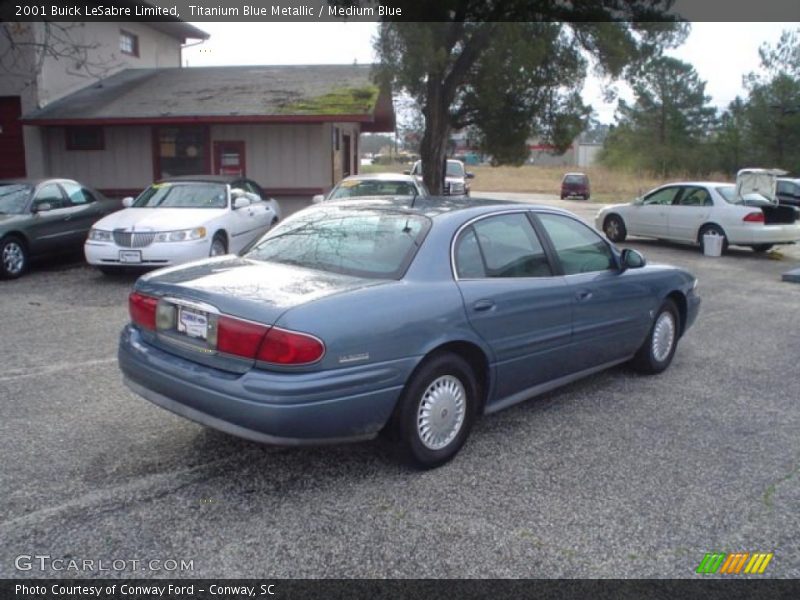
x=181, y=151
x=128, y=43
x=84, y=138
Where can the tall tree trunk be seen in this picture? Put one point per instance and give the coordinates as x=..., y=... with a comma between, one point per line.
x=433, y=149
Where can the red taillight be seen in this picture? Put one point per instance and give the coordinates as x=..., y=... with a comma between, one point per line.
x=284, y=347
x=143, y=310
x=754, y=217
x=240, y=338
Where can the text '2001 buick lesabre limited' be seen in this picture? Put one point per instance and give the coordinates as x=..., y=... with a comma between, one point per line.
x=359, y=317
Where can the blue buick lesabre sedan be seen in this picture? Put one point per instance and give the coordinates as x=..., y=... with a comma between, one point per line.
x=359, y=317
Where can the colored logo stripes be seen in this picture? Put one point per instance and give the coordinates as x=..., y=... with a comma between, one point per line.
x=734, y=563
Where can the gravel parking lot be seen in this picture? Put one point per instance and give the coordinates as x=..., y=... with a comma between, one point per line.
x=619, y=475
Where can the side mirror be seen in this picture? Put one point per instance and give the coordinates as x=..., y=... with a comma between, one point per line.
x=470, y=175
x=317, y=199
x=43, y=207
x=240, y=202
x=127, y=202
x=631, y=259
x=406, y=172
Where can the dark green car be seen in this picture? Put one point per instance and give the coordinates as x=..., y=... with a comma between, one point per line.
x=45, y=217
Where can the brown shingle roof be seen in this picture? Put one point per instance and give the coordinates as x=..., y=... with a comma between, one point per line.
x=224, y=94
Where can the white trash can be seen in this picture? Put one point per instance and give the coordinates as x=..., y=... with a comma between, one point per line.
x=712, y=244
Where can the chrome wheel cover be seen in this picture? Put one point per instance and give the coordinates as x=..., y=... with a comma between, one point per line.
x=13, y=258
x=663, y=336
x=441, y=412
x=612, y=229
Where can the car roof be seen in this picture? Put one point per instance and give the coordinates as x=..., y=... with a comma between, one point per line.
x=381, y=177
x=698, y=183
x=203, y=178
x=34, y=181
x=437, y=206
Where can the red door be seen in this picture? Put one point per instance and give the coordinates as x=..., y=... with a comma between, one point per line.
x=229, y=158
x=12, y=148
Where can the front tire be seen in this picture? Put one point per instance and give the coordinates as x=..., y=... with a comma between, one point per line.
x=658, y=348
x=13, y=257
x=219, y=246
x=436, y=411
x=614, y=228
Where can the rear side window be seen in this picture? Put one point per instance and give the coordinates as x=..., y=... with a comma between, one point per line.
x=506, y=245
x=361, y=243
x=579, y=248
x=76, y=194
x=469, y=261
x=695, y=196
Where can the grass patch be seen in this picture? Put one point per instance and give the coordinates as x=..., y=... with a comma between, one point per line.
x=341, y=101
x=608, y=185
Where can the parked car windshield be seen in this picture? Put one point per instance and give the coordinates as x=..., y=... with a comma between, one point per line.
x=362, y=243
x=14, y=197
x=455, y=169
x=183, y=195
x=373, y=187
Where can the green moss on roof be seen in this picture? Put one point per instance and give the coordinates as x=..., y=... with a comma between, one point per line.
x=340, y=101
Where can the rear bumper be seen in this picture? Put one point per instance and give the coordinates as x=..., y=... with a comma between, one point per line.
x=279, y=408
x=764, y=234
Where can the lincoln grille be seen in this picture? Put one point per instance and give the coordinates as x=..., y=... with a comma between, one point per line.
x=126, y=239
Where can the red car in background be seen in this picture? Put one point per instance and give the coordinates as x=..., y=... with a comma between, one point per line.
x=575, y=185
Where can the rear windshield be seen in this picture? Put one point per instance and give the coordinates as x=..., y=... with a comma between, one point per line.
x=14, y=197
x=373, y=187
x=363, y=243
x=728, y=192
x=580, y=179
x=183, y=195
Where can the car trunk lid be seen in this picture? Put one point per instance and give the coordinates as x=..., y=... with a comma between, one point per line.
x=757, y=188
x=195, y=298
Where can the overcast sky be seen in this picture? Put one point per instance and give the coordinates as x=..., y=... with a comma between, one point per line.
x=720, y=52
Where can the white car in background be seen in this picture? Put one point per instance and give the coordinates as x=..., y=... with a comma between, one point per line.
x=686, y=211
x=391, y=185
x=182, y=219
x=456, y=180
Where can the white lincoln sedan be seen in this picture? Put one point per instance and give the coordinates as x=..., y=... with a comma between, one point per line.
x=182, y=219
x=687, y=211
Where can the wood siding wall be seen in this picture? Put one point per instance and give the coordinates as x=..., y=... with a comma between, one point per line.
x=125, y=163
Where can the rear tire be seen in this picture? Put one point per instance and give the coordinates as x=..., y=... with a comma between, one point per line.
x=436, y=411
x=13, y=257
x=656, y=353
x=761, y=248
x=713, y=230
x=614, y=228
